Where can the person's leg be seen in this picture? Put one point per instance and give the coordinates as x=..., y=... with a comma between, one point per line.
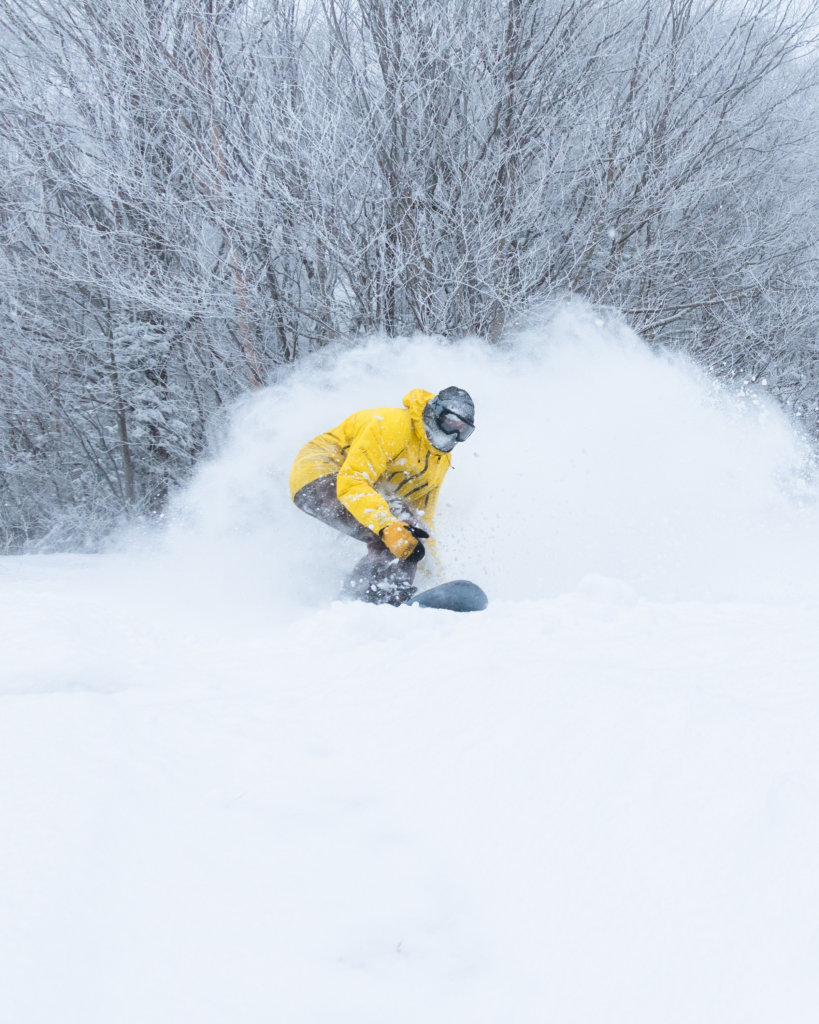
x=319, y=499
x=379, y=577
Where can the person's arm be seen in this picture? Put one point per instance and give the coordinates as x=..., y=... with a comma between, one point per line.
x=363, y=466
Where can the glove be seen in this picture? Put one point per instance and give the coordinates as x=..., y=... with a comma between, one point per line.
x=403, y=541
x=420, y=550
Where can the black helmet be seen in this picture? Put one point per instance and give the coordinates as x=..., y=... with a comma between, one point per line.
x=449, y=417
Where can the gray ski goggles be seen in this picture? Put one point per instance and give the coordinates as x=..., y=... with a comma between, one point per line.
x=451, y=423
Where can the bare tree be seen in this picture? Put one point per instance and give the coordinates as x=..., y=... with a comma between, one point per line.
x=195, y=193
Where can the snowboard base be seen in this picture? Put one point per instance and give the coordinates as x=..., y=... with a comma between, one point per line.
x=455, y=596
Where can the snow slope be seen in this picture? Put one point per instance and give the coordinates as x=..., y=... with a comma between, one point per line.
x=226, y=797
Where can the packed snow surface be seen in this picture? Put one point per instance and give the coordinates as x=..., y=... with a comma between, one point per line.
x=228, y=797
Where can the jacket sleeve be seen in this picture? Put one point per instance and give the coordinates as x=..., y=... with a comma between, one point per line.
x=366, y=460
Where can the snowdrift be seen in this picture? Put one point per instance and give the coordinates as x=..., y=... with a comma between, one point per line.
x=229, y=797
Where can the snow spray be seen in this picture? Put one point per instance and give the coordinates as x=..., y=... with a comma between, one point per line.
x=597, y=462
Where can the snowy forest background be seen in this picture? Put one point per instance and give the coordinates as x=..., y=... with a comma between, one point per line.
x=197, y=193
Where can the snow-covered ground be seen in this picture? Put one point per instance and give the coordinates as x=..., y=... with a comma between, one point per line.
x=226, y=797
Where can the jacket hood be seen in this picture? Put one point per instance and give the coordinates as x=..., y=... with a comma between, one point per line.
x=416, y=401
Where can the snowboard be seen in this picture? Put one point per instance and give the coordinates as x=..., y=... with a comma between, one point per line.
x=455, y=596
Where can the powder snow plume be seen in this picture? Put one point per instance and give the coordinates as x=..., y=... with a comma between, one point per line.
x=596, y=462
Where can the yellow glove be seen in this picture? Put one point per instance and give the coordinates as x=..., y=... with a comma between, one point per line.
x=399, y=540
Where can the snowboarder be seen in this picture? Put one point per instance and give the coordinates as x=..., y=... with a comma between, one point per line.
x=376, y=477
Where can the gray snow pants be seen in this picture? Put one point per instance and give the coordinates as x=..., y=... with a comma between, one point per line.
x=379, y=577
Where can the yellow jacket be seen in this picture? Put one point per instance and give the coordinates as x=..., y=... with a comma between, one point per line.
x=377, y=453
